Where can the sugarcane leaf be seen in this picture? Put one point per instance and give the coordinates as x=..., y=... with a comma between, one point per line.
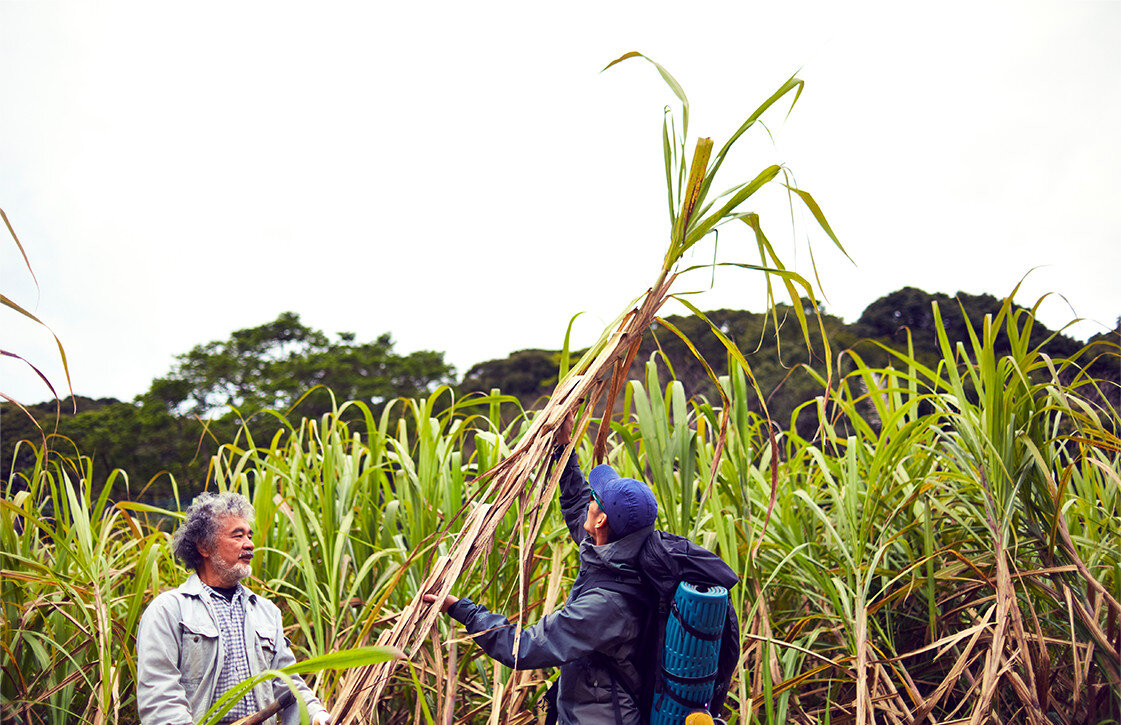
x=752, y=220
x=670, y=81
x=667, y=152
x=819, y=216
x=22, y=252
x=37, y=371
x=566, y=350
x=792, y=83
x=4, y=300
x=728, y=344
x=689, y=201
x=703, y=226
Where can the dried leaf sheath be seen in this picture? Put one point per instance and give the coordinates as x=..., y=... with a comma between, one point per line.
x=364, y=687
x=596, y=379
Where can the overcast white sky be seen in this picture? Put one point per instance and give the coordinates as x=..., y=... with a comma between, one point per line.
x=462, y=175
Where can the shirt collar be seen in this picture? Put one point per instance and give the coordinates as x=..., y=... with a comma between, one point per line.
x=239, y=591
x=194, y=587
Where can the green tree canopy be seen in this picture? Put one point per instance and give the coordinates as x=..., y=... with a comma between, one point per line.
x=528, y=375
x=910, y=308
x=273, y=365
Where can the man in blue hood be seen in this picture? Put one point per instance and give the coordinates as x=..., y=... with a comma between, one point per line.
x=593, y=638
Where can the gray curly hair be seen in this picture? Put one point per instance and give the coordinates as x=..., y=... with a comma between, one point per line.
x=201, y=523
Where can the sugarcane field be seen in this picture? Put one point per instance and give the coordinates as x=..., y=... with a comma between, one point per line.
x=649, y=504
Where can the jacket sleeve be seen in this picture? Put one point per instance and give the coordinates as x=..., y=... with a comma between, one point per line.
x=591, y=622
x=282, y=659
x=574, y=495
x=160, y=697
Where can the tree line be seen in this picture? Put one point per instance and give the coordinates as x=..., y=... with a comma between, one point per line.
x=169, y=432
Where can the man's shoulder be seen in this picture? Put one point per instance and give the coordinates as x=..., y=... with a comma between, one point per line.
x=191, y=588
x=261, y=602
x=607, y=589
x=168, y=603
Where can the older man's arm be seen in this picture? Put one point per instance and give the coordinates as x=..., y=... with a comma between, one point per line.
x=160, y=697
x=283, y=658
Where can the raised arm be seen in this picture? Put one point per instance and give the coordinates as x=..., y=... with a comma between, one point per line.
x=574, y=496
x=574, y=490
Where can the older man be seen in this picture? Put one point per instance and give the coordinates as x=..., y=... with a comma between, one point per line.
x=593, y=639
x=198, y=641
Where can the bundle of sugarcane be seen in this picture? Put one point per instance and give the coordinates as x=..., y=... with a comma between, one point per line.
x=594, y=381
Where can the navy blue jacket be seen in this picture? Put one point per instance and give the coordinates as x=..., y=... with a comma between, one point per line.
x=592, y=621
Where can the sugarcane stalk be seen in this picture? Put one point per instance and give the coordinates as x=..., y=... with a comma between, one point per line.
x=273, y=708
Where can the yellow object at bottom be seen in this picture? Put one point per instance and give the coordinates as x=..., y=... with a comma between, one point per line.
x=698, y=717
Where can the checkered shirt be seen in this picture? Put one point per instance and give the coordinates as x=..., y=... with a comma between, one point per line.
x=231, y=636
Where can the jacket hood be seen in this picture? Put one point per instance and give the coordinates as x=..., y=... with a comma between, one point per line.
x=619, y=554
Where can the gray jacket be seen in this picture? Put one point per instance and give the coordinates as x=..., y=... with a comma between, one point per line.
x=179, y=656
x=592, y=621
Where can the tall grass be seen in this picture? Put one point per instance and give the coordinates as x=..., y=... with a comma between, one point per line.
x=74, y=569
x=22, y=311
x=947, y=546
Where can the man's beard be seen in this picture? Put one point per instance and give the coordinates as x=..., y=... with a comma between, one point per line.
x=235, y=573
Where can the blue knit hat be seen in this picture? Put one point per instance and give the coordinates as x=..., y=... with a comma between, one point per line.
x=629, y=504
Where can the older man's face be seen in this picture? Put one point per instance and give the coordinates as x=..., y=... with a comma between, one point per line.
x=231, y=551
